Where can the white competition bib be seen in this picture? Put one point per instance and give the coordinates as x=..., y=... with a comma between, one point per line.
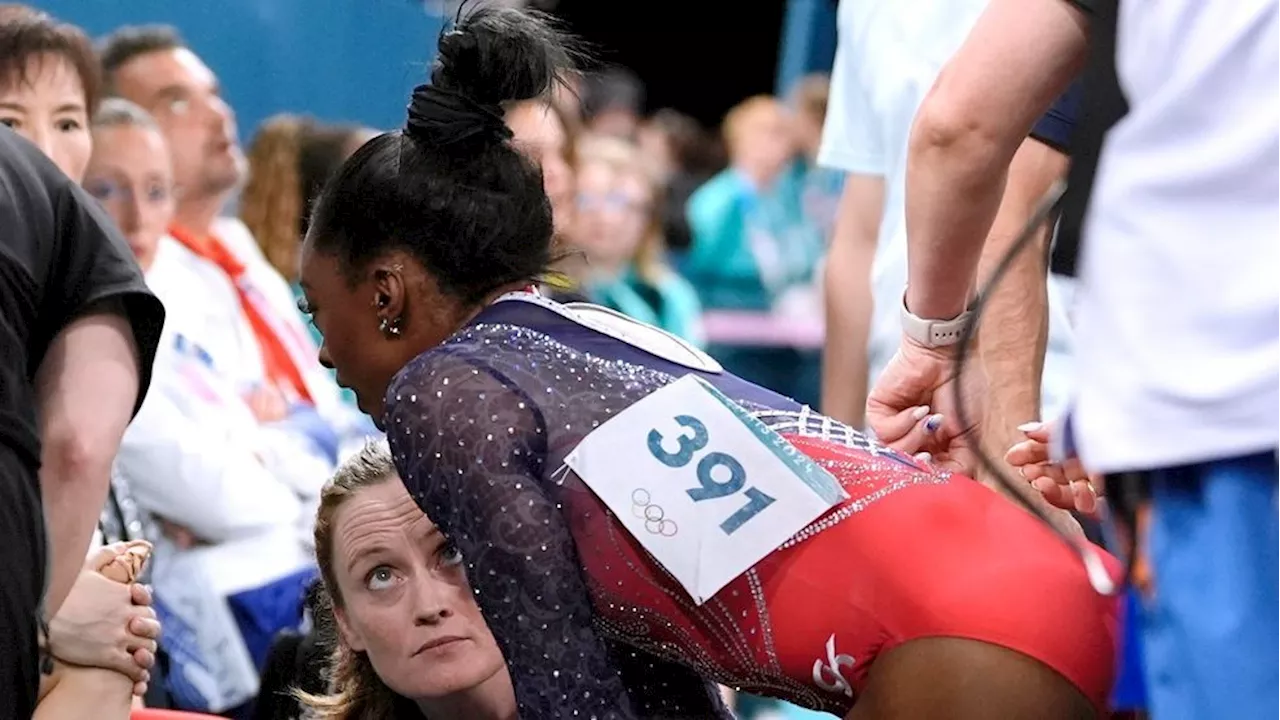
x=707, y=489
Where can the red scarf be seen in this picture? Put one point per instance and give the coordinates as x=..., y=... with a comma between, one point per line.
x=280, y=368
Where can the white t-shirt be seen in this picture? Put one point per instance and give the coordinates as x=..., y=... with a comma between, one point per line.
x=1179, y=314
x=889, y=55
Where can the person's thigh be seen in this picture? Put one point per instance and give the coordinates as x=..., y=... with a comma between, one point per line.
x=22, y=557
x=1210, y=619
x=954, y=679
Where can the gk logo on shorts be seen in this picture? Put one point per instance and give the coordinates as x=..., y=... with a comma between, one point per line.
x=686, y=471
x=831, y=667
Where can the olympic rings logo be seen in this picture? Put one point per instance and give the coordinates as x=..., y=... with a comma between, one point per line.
x=654, y=518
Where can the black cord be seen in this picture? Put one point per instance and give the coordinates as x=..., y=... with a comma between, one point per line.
x=1101, y=580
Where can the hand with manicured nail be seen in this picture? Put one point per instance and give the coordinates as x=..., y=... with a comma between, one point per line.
x=912, y=407
x=1068, y=485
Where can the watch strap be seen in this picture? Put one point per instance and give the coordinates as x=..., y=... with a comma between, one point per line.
x=932, y=333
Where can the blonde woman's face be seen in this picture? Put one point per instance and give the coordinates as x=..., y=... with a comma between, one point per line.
x=131, y=175
x=612, y=216
x=406, y=602
x=46, y=105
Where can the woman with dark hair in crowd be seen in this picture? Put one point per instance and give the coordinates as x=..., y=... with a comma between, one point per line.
x=633, y=519
x=50, y=85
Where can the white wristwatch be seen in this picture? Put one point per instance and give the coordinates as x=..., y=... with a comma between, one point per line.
x=932, y=333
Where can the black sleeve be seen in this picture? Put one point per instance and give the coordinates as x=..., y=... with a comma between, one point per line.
x=93, y=270
x=1102, y=105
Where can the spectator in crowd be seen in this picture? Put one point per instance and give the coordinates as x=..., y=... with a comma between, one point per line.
x=754, y=254
x=276, y=366
x=822, y=186
x=678, y=145
x=618, y=228
x=686, y=156
x=543, y=130
x=613, y=103
x=289, y=161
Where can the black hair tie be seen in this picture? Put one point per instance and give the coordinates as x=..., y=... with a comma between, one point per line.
x=443, y=117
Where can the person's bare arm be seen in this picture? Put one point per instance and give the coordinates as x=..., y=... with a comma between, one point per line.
x=87, y=387
x=1019, y=57
x=847, y=291
x=1015, y=319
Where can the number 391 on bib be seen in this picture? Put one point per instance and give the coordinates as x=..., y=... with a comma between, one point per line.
x=707, y=489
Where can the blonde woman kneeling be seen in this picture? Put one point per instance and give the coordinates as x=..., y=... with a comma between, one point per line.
x=410, y=639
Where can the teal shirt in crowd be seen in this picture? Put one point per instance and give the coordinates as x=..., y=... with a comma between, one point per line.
x=750, y=246
x=671, y=303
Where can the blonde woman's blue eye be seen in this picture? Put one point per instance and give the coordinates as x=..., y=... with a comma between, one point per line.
x=380, y=578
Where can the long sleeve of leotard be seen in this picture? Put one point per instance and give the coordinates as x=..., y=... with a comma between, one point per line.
x=470, y=448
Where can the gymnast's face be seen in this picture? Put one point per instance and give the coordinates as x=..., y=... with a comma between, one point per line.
x=406, y=603
x=373, y=320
